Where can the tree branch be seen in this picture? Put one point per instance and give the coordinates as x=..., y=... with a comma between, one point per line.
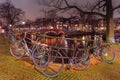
x=66, y=3
x=83, y=12
x=116, y=7
x=98, y=4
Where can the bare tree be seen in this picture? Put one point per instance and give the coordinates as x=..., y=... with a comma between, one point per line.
x=102, y=8
x=10, y=14
x=50, y=14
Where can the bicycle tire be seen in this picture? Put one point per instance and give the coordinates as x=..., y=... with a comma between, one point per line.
x=108, y=55
x=82, y=59
x=17, y=50
x=55, y=65
x=40, y=56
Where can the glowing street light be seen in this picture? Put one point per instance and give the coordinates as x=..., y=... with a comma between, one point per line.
x=23, y=22
x=10, y=25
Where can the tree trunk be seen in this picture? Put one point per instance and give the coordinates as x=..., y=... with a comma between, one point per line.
x=110, y=31
x=110, y=22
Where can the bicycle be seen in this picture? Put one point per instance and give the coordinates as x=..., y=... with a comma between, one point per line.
x=24, y=47
x=58, y=58
x=102, y=51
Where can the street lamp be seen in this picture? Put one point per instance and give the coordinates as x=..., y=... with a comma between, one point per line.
x=10, y=25
x=23, y=23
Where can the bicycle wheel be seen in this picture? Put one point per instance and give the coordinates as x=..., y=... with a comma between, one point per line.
x=82, y=60
x=55, y=65
x=17, y=50
x=40, y=56
x=108, y=55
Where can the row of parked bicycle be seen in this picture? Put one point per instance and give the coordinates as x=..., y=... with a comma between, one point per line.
x=50, y=53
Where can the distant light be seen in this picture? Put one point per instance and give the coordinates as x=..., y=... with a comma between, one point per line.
x=10, y=25
x=3, y=31
x=76, y=25
x=32, y=28
x=23, y=22
x=51, y=27
x=83, y=38
x=102, y=28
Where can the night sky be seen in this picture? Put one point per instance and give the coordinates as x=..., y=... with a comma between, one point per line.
x=32, y=8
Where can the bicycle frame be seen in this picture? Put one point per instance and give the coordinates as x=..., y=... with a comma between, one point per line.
x=72, y=51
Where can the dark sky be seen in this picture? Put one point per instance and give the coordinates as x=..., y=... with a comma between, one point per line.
x=32, y=8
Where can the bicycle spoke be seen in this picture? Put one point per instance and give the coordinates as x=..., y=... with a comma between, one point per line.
x=55, y=65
